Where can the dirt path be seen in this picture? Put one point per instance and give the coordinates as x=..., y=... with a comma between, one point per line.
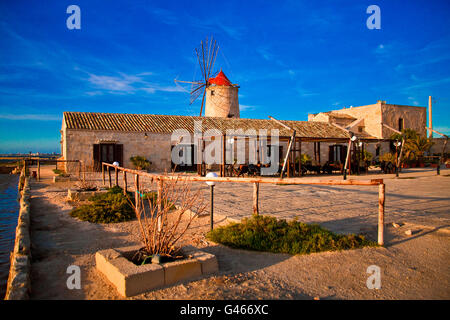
x=414, y=267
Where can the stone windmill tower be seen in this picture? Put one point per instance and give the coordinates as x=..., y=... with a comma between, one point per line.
x=222, y=97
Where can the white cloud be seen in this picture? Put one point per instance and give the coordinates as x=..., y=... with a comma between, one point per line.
x=127, y=84
x=38, y=117
x=243, y=107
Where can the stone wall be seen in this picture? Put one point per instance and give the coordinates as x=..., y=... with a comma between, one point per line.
x=19, y=286
x=413, y=117
x=155, y=147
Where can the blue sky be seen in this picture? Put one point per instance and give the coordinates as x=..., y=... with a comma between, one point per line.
x=290, y=58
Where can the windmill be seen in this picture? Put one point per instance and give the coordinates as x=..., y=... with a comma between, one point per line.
x=206, y=56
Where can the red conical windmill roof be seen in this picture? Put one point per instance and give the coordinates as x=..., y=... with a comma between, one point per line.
x=220, y=80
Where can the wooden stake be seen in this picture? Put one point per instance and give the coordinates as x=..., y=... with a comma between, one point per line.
x=117, y=176
x=103, y=173
x=160, y=200
x=38, y=170
x=255, y=198
x=125, y=183
x=136, y=192
x=109, y=176
x=381, y=198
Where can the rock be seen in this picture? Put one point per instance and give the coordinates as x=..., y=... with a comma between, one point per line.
x=156, y=258
x=396, y=225
x=408, y=232
x=316, y=298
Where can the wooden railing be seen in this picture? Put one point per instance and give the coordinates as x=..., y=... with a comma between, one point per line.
x=160, y=178
x=81, y=170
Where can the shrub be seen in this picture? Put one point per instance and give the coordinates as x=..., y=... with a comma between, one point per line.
x=263, y=233
x=109, y=207
x=140, y=163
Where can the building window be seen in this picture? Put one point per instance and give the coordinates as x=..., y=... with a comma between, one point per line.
x=360, y=129
x=212, y=92
x=401, y=124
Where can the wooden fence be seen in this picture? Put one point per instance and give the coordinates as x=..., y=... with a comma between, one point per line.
x=160, y=178
x=81, y=166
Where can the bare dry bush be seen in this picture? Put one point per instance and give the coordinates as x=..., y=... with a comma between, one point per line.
x=161, y=225
x=88, y=179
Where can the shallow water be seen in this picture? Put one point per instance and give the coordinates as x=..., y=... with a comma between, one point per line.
x=9, y=209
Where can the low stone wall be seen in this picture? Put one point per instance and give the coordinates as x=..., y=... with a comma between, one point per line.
x=18, y=286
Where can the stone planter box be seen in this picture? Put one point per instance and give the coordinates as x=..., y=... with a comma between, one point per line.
x=130, y=279
x=80, y=195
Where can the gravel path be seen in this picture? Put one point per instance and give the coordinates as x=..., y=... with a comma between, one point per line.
x=412, y=267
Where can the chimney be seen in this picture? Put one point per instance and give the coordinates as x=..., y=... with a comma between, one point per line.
x=430, y=118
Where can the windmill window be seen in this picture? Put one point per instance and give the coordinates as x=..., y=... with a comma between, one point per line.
x=212, y=92
x=360, y=129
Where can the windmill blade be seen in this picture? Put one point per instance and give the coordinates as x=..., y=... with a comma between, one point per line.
x=204, y=63
x=212, y=58
x=194, y=96
x=199, y=58
x=192, y=82
x=203, y=100
x=198, y=88
x=196, y=93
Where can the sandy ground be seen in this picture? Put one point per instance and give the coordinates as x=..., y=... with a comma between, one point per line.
x=412, y=267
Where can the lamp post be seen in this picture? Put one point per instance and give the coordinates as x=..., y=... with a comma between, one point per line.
x=360, y=155
x=211, y=185
x=396, y=144
x=352, y=139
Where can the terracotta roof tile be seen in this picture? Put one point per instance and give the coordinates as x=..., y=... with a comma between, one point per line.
x=155, y=123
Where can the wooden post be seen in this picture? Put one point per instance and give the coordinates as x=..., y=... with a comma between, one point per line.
x=224, y=150
x=381, y=198
x=79, y=168
x=160, y=202
x=103, y=173
x=300, y=160
x=109, y=176
x=117, y=176
x=125, y=182
x=38, y=170
x=211, y=218
x=84, y=172
x=255, y=198
x=136, y=192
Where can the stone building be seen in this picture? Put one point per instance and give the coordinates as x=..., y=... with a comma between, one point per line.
x=368, y=120
x=107, y=137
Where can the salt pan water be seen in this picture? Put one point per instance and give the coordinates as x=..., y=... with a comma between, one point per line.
x=9, y=210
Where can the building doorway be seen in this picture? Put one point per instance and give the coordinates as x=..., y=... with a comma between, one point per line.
x=107, y=152
x=337, y=154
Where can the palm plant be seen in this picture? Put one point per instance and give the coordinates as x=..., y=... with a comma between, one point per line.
x=414, y=144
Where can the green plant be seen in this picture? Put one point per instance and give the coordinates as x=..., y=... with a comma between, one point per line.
x=387, y=157
x=109, y=207
x=366, y=156
x=414, y=146
x=304, y=158
x=140, y=163
x=264, y=233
